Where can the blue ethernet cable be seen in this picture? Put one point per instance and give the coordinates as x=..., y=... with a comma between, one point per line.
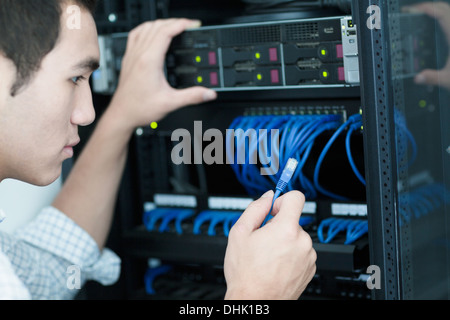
x=352, y=129
x=297, y=135
x=291, y=122
x=422, y=201
x=294, y=128
x=286, y=176
x=353, y=119
x=306, y=185
x=297, y=140
x=250, y=172
x=167, y=219
x=305, y=221
x=264, y=141
x=400, y=123
x=225, y=217
x=356, y=230
x=185, y=214
x=302, y=124
x=200, y=220
x=216, y=218
x=279, y=123
x=229, y=223
x=150, y=218
x=166, y=216
x=312, y=125
x=303, y=152
x=242, y=171
x=334, y=225
x=152, y=274
x=239, y=122
x=434, y=193
x=413, y=145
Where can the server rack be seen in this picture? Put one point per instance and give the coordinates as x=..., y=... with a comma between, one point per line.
x=411, y=261
x=196, y=259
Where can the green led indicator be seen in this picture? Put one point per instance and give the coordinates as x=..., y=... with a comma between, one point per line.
x=323, y=52
x=258, y=55
x=154, y=125
x=198, y=59
x=422, y=103
x=200, y=79
x=259, y=76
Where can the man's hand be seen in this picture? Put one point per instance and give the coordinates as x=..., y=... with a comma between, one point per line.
x=276, y=261
x=441, y=12
x=143, y=94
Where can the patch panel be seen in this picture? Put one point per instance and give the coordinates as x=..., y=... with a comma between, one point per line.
x=351, y=286
x=179, y=281
x=206, y=231
x=207, y=222
x=298, y=110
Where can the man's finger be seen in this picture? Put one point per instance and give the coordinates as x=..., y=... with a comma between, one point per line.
x=162, y=31
x=165, y=30
x=428, y=76
x=192, y=96
x=289, y=207
x=254, y=215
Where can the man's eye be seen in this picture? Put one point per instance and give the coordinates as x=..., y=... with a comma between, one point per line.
x=76, y=80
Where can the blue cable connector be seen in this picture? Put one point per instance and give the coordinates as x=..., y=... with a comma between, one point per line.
x=286, y=176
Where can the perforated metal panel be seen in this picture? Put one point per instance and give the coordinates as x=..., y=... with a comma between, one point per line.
x=396, y=56
x=304, y=31
x=379, y=147
x=251, y=35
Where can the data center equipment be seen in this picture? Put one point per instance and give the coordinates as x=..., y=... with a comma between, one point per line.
x=341, y=97
x=289, y=54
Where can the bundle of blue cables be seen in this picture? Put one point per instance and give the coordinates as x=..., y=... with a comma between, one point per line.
x=353, y=124
x=166, y=217
x=354, y=228
x=226, y=218
x=212, y=219
x=404, y=139
x=297, y=135
x=422, y=201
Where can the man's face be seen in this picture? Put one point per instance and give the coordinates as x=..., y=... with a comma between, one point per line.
x=39, y=126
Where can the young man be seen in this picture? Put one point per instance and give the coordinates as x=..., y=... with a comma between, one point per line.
x=44, y=98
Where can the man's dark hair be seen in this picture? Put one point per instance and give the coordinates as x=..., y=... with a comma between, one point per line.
x=29, y=30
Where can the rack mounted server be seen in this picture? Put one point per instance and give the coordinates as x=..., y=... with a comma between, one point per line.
x=303, y=53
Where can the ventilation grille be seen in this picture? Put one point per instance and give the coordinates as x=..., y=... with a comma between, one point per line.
x=302, y=31
x=251, y=35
